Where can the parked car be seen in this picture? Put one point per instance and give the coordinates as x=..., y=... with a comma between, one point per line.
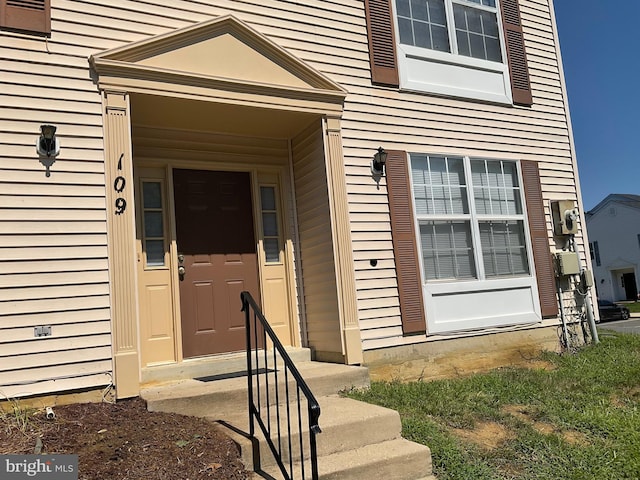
x=612, y=311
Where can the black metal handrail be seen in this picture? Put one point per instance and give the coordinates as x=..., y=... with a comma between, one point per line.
x=273, y=403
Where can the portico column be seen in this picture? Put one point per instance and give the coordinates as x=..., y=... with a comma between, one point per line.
x=343, y=248
x=121, y=242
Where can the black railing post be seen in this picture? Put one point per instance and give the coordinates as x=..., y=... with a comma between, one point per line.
x=247, y=316
x=256, y=413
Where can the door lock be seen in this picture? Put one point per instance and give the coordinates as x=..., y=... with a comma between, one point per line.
x=181, y=269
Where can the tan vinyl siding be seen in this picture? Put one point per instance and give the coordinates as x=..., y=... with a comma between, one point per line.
x=53, y=247
x=316, y=247
x=421, y=123
x=50, y=82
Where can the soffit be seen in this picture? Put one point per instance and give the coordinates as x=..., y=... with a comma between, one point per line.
x=222, y=60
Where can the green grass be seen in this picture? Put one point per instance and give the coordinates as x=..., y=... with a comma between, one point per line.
x=14, y=416
x=634, y=307
x=578, y=420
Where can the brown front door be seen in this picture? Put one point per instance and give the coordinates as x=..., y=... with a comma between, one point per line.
x=217, y=248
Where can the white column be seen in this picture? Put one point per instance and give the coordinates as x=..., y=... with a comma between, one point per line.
x=343, y=247
x=121, y=241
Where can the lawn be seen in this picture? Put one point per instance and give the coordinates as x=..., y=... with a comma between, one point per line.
x=574, y=416
x=634, y=307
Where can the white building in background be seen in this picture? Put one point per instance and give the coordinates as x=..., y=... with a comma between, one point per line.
x=614, y=234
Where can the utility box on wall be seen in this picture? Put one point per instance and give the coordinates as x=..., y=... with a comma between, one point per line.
x=565, y=217
x=568, y=263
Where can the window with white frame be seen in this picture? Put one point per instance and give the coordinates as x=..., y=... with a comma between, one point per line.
x=463, y=27
x=452, y=47
x=470, y=217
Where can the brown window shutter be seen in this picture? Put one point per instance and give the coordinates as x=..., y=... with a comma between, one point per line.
x=516, y=55
x=382, y=46
x=405, y=246
x=28, y=15
x=539, y=239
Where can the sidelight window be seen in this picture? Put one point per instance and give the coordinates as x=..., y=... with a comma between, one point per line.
x=153, y=223
x=270, y=230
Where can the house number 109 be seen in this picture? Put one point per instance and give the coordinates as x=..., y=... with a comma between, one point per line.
x=118, y=185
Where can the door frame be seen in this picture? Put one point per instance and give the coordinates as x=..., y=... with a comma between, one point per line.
x=260, y=175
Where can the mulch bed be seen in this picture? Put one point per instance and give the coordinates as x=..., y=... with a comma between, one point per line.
x=124, y=441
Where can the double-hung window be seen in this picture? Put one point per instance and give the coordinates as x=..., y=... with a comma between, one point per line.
x=452, y=47
x=463, y=27
x=474, y=243
x=470, y=218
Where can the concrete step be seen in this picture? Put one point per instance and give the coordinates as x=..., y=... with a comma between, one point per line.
x=346, y=424
x=358, y=440
x=222, y=396
x=397, y=459
x=226, y=364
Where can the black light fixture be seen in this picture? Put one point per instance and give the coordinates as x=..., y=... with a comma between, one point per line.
x=48, y=144
x=379, y=161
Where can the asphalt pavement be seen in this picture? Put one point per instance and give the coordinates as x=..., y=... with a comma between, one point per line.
x=632, y=325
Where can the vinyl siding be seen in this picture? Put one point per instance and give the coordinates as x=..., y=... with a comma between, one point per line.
x=428, y=124
x=616, y=234
x=53, y=242
x=316, y=246
x=49, y=82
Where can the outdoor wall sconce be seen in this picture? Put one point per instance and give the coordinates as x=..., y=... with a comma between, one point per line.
x=378, y=162
x=48, y=146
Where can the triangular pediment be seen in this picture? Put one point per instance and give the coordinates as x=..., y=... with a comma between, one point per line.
x=224, y=49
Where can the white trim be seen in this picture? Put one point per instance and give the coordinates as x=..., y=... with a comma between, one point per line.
x=481, y=304
x=450, y=74
x=460, y=304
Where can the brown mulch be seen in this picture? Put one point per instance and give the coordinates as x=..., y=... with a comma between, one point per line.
x=124, y=441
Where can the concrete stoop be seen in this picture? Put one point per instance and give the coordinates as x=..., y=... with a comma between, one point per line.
x=358, y=440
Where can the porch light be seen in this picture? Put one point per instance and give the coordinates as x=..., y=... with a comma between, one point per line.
x=379, y=161
x=48, y=144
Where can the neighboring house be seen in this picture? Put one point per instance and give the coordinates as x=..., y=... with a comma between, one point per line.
x=212, y=147
x=614, y=243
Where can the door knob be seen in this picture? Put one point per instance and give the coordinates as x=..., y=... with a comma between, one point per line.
x=181, y=269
